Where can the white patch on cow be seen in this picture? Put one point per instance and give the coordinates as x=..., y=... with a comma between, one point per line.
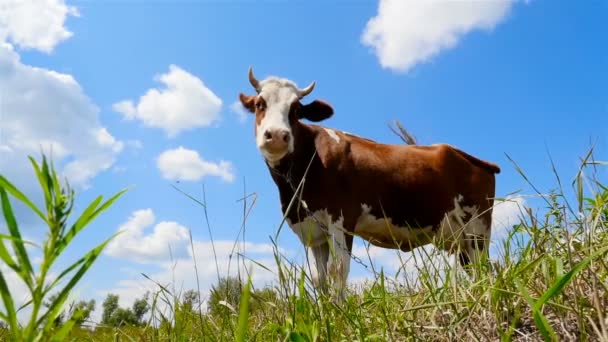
x=332, y=134
x=278, y=94
x=455, y=233
x=310, y=231
x=383, y=233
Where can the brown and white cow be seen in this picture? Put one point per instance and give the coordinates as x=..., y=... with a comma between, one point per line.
x=394, y=196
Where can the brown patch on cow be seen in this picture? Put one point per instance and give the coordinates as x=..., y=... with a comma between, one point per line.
x=248, y=102
x=256, y=105
x=260, y=110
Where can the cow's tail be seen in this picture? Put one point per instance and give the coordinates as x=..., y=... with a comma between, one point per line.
x=478, y=162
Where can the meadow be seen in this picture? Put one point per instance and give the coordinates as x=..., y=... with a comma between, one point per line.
x=548, y=281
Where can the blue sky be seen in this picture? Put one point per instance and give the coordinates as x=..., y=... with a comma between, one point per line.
x=492, y=78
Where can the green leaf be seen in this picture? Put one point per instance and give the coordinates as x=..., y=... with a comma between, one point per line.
x=64, y=273
x=64, y=330
x=559, y=267
x=244, y=312
x=55, y=184
x=56, y=306
x=6, y=256
x=557, y=287
x=25, y=265
x=10, y=188
x=541, y=322
x=9, y=305
x=296, y=337
x=85, y=218
x=47, y=184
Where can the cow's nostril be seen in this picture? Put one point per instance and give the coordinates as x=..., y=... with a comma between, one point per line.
x=285, y=136
x=267, y=135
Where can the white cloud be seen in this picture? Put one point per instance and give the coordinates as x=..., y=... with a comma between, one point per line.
x=134, y=244
x=180, y=275
x=45, y=110
x=506, y=214
x=18, y=27
x=187, y=165
x=405, y=33
x=184, y=103
x=240, y=111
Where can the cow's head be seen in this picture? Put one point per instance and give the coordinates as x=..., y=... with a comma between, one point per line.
x=277, y=109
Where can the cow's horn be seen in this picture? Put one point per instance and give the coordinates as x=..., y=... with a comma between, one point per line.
x=307, y=90
x=254, y=82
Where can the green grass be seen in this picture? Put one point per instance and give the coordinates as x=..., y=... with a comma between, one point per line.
x=549, y=281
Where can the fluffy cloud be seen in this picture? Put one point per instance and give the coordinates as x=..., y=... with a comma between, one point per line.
x=184, y=103
x=506, y=214
x=187, y=165
x=405, y=33
x=43, y=33
x=45, y=110
x=134, y=244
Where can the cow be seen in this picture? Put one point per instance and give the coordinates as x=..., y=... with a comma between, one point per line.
x=335, y=185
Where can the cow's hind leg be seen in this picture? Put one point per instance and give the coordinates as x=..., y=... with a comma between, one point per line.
x=475, y=241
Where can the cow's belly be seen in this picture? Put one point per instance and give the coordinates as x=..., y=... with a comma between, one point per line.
x=383, y=233
x=312, y=231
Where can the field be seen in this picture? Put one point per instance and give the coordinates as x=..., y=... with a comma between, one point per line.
x=548, y=281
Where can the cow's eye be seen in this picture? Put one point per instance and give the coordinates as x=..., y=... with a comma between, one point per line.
x=260, y=106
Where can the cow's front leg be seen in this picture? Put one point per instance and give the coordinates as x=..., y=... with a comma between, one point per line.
x=338, y=264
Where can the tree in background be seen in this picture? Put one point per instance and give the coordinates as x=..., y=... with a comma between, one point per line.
x=115, y=316
x=226, y=292
x=80, y=311
x=110, y=305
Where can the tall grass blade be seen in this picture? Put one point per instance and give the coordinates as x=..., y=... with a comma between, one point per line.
x=244, y=312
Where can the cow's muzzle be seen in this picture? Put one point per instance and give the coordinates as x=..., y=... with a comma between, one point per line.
x=276, y=143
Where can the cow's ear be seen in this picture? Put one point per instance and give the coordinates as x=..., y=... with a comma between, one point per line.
x=248, y=102
x=316, y=111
